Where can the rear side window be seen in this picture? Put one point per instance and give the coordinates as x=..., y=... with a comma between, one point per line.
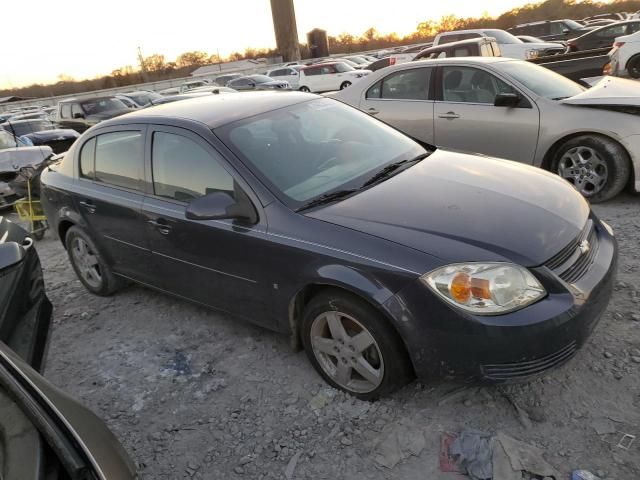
x=119, y=159
x=65, y=110
x=183, y=170
x=87, y=156
x=76, y=110
x=311, y=71
x=410, y=84
x=462, y=52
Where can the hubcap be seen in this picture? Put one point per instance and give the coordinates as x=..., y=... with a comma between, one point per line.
x=347, y=352
x=585, y=169
x=87, y=262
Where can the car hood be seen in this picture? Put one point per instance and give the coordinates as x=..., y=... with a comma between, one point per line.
x=610, y=91
x=12, y=159
x=461, y=207
x=51, y=135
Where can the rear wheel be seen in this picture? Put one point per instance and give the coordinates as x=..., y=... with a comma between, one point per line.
x=304, y=89
x=633, y=67
x=89, y=264
x=596, y=166
x=353, y=347
x=345, y=85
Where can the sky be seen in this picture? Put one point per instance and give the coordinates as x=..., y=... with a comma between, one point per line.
x=89, y=38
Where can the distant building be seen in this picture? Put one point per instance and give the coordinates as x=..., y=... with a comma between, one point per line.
x=234, y=66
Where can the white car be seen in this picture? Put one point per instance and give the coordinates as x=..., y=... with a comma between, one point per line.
x=288, y=74
x=326, y=77
x=510, y=45
x=625, y=56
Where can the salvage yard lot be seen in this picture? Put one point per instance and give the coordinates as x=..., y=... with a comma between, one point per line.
x=195, y=393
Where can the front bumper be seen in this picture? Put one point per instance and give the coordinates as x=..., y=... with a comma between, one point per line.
x=446, y=342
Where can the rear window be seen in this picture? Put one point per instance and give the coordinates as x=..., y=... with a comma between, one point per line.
x=119, y=159
x=456, y=37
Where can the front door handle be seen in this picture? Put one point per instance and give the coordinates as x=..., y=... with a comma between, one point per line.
x=88, y=206
x=373, y=111
x=449, y=115
x=162, y=227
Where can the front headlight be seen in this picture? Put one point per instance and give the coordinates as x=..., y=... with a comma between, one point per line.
x=485, y=288
x=533, y=53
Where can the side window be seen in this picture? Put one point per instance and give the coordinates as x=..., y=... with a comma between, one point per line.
x=471, y=85
x=633, y=27
x=277, y=73
x=183, y=170
x=612, y=31
x=309, y=72
x=75, y=108
x=407, y=84
x=374, y=91
x=329, y=69
x=65, y=110
x=87, y=156
x=119, y=159
x=461, y=52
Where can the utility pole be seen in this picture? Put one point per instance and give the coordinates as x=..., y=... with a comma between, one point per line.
x=286, y=30
x=143, y=66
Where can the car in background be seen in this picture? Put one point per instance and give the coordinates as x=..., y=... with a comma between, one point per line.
x=258, y=82
x=551, y=29
x=210, y=89
x=222, y=80
x=515, y=110
x=290, y=74
x=510, y=46
x=615, y=16
x=625, y=56
x=45, y=433
x=603, y=37
x=335, y=229
x=82, y=114
x=338, y=59
x=142, y=98
x=601, y=23
x=38, y=115
x=14, y=155
x=363, y=61
x=127, y=101
x=473, y=47
x=42, y=132
x=326, y=77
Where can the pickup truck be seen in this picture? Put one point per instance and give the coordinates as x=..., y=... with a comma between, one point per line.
x=82, y=114
x=576, y=65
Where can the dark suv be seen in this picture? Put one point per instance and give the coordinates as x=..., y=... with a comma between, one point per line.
x=80, y=114
x=551, y=30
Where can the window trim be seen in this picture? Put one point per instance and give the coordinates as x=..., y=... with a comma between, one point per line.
x=144, y=184
x=430, y=90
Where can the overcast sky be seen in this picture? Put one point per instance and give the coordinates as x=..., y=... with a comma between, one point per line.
x=87, y=38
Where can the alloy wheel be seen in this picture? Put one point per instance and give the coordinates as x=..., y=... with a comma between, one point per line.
x=87, y=262
x=347, y=352
x=585, y=169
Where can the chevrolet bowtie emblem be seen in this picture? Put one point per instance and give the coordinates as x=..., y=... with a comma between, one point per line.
x=584, y=246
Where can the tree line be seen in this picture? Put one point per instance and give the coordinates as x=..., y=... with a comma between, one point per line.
x=157, y=68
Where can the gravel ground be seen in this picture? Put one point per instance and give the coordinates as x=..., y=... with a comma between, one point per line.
x=195, y=394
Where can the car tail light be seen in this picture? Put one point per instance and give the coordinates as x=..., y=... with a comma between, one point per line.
x=607, y=69
x=618, y=44
x=392, y=61
x=572, y=46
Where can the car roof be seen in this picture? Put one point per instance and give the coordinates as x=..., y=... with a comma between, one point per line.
x=487, y=60
x=215, y=110
x=458, y=43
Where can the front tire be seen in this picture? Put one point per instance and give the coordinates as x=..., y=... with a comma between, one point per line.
x=89, y=264
x=304, y=89
x=597, y=166
x=353, y=347
x=345, y=85
x=633, y=67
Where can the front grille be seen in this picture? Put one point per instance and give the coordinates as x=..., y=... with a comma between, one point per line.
x=573, y=261
x=522, y=370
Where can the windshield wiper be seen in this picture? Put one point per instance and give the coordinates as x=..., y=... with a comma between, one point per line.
x=389, y=169
x=327, y=198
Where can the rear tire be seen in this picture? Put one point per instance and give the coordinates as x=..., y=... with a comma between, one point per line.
x=596, y=165
x=344, y=336
x=304, y=89
x=89, y=264
x=633, y=67
x=345, y=85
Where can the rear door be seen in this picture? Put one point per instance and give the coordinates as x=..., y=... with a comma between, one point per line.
x=403, y=99
x=466, y=118
x=215, y=262
x=109, y=194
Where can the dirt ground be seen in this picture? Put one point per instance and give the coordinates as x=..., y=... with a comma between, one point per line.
x=195, y=394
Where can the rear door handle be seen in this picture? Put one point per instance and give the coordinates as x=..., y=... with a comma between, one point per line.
x=88, y=206
x=373, y=111
x=162, y=227
x=449, y=115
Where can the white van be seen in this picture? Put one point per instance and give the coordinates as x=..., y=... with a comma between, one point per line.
x=326, y=77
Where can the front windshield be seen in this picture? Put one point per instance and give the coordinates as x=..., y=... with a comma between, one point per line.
x=101, y=105
x=261, y=78
x=144, y=98
x=7, y=140
x=540, y=80
x=573, y=24
x=502, y=37
x=313, y=148
x=343, y=67
x=24, y=128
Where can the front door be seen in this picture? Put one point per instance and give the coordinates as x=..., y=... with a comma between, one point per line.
x=214, y=262
x=109, y=196
x=466, y=118
x=401, y=99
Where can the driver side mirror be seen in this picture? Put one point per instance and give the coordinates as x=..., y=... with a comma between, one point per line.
x=220, y=206
x=507, y=100
x=78, y=115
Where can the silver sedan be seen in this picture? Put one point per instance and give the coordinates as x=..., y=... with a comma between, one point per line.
x=516, y=110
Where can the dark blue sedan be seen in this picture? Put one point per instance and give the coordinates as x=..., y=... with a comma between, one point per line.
x=383, y=257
